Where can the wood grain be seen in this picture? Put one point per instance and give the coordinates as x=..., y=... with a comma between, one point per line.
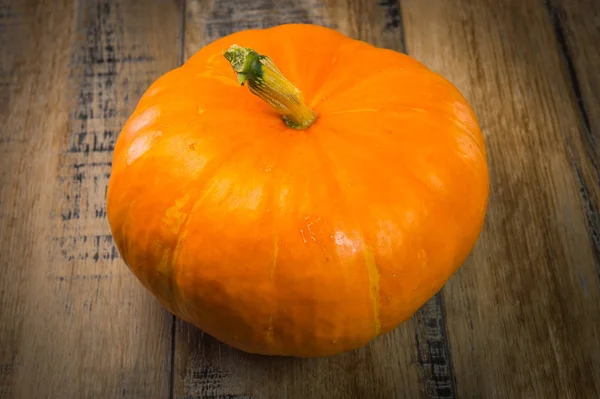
x=579, y=22
x=27, y=86
x=388, y=367
x=74, y=322
x=523, y=312
x=577, y=26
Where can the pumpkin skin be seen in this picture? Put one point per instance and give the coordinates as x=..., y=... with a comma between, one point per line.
x=309, y=242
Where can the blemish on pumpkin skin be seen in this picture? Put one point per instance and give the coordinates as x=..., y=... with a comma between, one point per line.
x=269, y=336
x=175, y=215
x=348, y=246
x=175, y=219
x=308, y=227
x=182, y=235
x=283, y=195
x=342, y=240
x=374, y=289
x=312, y=236
x=164, y=266
x=422, y=256
x=303, y=237
x=275, y=256
x=387, y=237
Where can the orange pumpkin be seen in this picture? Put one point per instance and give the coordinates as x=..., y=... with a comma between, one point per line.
x=306, y=215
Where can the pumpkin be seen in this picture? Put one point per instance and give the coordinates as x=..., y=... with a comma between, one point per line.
x=292, y=191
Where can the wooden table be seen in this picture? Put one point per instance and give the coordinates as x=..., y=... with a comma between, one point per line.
x=520, y=320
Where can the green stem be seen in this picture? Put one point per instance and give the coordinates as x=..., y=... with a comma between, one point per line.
x=268, y=83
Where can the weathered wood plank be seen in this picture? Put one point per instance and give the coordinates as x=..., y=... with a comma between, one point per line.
x=74, y=322
x=27, y=78
x=386, y=368
x=577, y=26
x=523, y=313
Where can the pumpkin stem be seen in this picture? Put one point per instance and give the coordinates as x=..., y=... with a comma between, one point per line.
x=268, y=83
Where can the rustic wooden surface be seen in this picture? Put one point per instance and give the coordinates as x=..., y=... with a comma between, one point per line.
x=520, y=319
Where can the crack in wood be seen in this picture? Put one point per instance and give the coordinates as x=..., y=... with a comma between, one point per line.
x=568, y=59
x=591, y=212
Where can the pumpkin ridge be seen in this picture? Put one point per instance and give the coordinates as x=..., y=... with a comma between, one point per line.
x=371, y=268
x=291, y=70
x=431, y=109
x=387, y=140
x=406, y=171
x=354, y=111
x=269, y=334
x=424, y=190
x=385, y=149
x=410, y=80
x=427, y=191
x=125, y=244
x=334, y=92
x=460, y=127
x=435, y=200
x=172, y=262
x=329, y=71
x=207, y=176
x=374, y=288
x=139, y=163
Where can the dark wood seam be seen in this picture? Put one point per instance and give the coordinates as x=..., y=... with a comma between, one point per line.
x=183, y=7
x=172, y=362
x=401, y=27
x=433, y=348
x=181, y=57
x=591, y=211
x=568, y=60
